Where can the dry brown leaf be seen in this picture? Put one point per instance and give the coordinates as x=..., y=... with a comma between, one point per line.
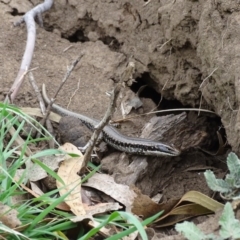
x=119, y=192
x=203, y=200
x=200, y=204
x=21, y=174
x=191, y=204
x=70, y=148
x=103, y=207
x=192, y=209
x=68, y=173
x=72, y=182
x=183, y=213
x=144, y=206
x=132, y=198
x=8, y=216
x=36, y=189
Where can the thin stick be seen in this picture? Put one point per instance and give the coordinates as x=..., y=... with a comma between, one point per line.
x=60, y=87
x=67, y=48
x=205, y=79
x=167, y=110
x=37, y=91
x=74, y=93
x=28, y=18
x=43, y=109
x=162, y=45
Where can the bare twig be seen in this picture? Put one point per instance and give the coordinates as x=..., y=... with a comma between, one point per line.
x=162, y=45
x=230, y=106
x=203, y=84
x=127, y=74
x=28, y=18
x=74, y=93
x=167, y=110
x=67, y=48
x=165, y=84
x=36, y=89
x=60, y=87
x=42, y=107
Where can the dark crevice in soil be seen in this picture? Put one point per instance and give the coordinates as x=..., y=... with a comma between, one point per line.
x=112, y=43
x=212, y=123
x=16, y=13
x=216, y=131
x=78, y=36
x=150, y=92
x=187, y=46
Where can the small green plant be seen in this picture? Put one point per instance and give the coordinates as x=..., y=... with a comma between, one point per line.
x=229, y=188
x=230, y=227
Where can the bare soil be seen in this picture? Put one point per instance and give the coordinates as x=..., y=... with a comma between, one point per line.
x=186, y=52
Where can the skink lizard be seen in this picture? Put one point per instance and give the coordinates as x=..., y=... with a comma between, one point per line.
x=117, y=140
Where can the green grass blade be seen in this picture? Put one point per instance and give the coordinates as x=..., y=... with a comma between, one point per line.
x=46, y=212
x=49, y=170
x=96, y=229
x=13, y=138
x=133, y=229
x=47, y=152
x=91, y=174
